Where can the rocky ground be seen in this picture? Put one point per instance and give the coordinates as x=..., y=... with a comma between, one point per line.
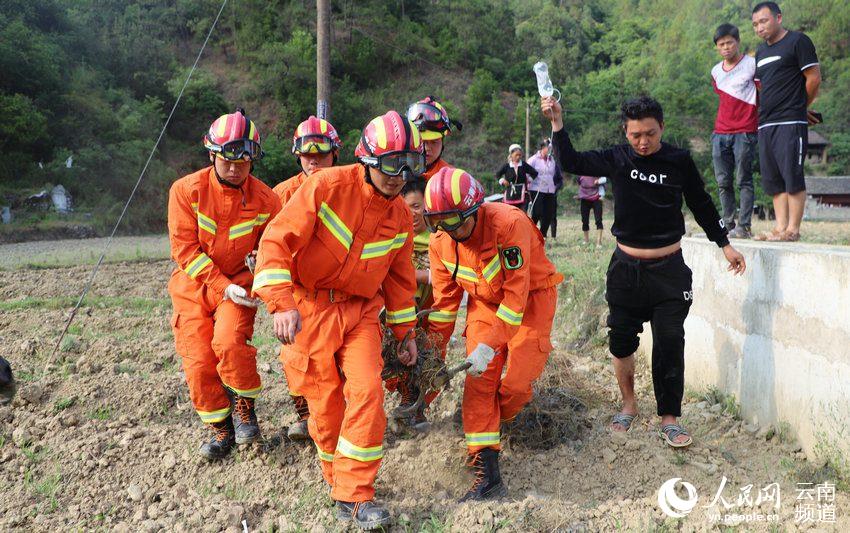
x=104, y=437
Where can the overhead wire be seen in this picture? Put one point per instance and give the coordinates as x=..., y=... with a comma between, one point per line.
x=106, y=246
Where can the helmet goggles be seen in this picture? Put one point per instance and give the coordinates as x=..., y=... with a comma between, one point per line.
x=448, y=220
x=239, y=150
x=427, y=117
x=313, y=144
x=395, y=163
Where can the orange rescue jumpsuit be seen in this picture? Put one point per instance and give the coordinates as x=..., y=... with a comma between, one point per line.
x=438, y=164
x=512, y=295
x=285, y=189
x=212, y=227
x=338, y=252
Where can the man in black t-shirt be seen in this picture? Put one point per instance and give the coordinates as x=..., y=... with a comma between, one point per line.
x=788, y=76
x=647, y=280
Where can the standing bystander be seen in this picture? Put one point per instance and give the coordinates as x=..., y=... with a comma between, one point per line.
x=788, y=75
x=733, y=143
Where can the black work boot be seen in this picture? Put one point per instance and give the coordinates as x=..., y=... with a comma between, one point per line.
x=366, y=515
x=298, y=430
x=244, y=418
x=488, y=482
x=222, y=441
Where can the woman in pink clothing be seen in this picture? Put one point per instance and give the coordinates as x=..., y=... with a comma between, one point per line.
x=590, y=193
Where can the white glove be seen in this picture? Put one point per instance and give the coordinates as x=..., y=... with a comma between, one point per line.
x=240, y=296
x=503, y=182
x=603, y=180
x=480, y=358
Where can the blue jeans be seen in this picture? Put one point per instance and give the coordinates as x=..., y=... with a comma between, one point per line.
x=733, y=153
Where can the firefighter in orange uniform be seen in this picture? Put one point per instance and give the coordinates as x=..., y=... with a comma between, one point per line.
x=316, y=146
x=433, y=122
x=338, y=253
x=494, y=253
x=215, y=218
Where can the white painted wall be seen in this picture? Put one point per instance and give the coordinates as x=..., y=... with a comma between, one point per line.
x=777, y=338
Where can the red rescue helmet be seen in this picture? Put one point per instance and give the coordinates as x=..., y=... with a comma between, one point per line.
x=234, y=137
x=431, y=118
x=392, y=144
x=315, y=136
x=452, y=196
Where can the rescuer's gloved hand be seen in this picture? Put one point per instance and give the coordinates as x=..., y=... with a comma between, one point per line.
x=479, y=359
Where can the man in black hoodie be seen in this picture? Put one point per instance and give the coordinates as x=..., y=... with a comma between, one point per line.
x=648, y=281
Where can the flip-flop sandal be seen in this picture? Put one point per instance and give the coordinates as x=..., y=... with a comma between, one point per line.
x=669, y=432
x=625, y=420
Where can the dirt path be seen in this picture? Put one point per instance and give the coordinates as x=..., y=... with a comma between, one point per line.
x=107, y=440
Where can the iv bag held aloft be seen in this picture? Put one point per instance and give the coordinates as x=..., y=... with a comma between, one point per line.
x=544, y=84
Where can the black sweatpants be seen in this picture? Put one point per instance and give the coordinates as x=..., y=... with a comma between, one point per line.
x=657, y=291
x=544, y=211
x=586, y=206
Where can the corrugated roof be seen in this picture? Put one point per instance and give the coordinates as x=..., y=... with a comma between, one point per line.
x=816, y=138
x=828, y=185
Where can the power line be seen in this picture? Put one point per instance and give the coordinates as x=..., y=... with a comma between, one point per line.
x=133, y=192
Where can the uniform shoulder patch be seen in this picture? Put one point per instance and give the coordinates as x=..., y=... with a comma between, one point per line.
x=512, y=258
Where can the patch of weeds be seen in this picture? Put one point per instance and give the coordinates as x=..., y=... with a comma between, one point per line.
x=34, y=456
x=64, y=403
x=783, y=433
x=47, y=487
x=70, y=343
x=101, y=413
x=128, y=304
x=678, y=459
x=434, y=524
x=125, y=367
x=236, y=492
x=730, y=405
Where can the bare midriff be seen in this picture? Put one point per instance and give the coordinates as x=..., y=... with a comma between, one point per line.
x=650, y=253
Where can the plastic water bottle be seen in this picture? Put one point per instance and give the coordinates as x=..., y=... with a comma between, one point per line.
x=544, y=84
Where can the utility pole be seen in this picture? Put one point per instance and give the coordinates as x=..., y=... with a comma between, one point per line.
x=527, y=127
x=323, y=59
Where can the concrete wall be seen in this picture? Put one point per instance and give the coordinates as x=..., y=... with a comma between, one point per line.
x=777, y=338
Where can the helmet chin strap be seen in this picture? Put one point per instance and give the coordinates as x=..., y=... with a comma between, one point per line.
x=474, y=223
x=226, y=183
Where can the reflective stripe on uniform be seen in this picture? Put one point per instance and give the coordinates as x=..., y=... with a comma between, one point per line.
x=242, y=229
x=509, y=315
x=463, y=272
x=271, y=276
x=381, y=248
x=247, y=393
x=195, y=207
x=357, y=453
x=206, y=223
x=208, y=417
x=197, y=265
x=335, y=225
x=245, y=228
x=323, y=455
x=482, y=439
x=401, y=316
x=492, y=268
x=443, y=316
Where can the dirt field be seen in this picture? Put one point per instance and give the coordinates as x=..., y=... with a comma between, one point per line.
x=107, y=438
